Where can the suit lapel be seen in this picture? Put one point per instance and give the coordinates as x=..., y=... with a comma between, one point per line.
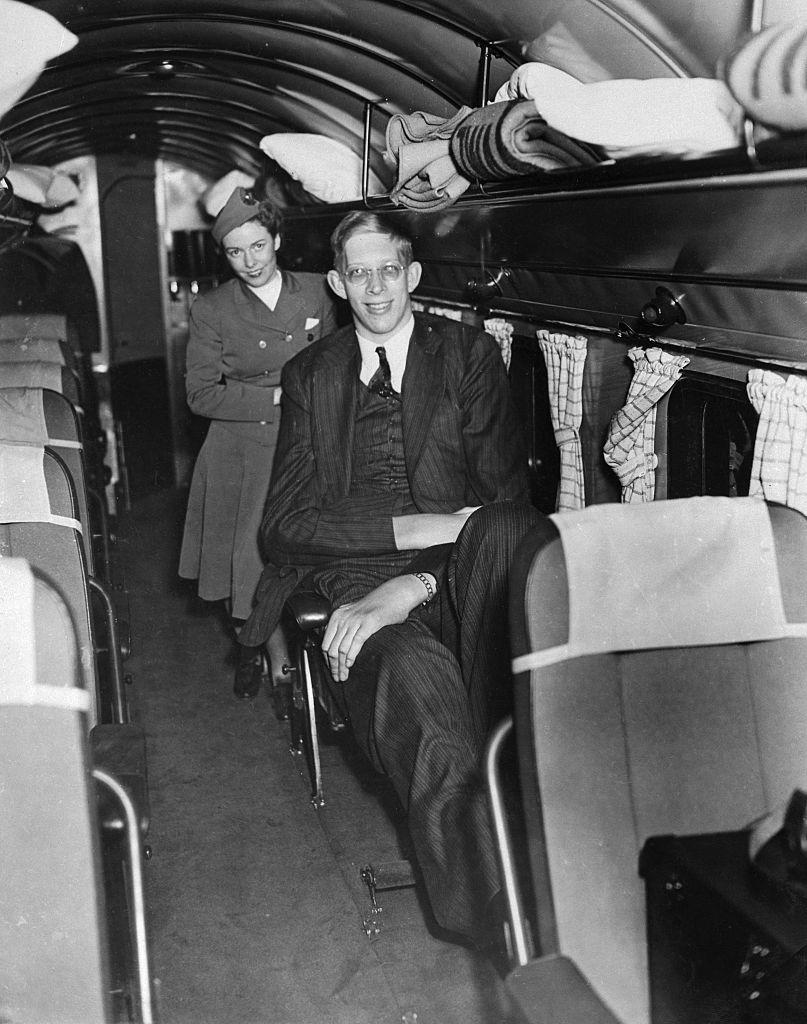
x=334, y=390
x=289, y=303
x=421, y=391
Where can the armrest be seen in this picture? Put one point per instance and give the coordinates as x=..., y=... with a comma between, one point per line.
x=310, y=611
x=551, y=989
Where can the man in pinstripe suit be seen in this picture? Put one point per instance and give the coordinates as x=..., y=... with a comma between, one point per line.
x=399, y=492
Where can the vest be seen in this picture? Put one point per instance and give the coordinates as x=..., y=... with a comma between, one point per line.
x=378, y=451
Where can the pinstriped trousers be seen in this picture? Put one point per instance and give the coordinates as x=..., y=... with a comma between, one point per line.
x=422, y=695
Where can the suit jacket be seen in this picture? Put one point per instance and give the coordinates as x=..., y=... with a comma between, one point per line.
x=237, y=348
x=462, y=445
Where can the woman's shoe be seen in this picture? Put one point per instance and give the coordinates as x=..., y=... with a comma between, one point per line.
x=248, y=672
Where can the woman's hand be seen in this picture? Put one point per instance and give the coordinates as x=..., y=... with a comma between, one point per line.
x=350, y=625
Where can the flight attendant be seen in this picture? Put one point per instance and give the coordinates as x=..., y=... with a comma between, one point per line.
x=241, y=334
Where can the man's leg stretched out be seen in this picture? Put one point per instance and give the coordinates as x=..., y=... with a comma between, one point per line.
x=421, y=714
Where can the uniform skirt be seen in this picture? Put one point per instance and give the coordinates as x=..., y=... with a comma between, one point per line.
x=225, y=507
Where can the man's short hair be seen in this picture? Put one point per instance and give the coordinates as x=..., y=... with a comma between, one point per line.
x=359, y=222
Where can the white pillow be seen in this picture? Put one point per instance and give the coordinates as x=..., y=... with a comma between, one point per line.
x=220, y=191
x=632, y=116
x=328, y=169
x=650, y=117
x=29, y=38
x=42, y=185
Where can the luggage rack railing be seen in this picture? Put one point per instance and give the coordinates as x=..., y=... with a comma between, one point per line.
x=488, y=50
x=746, y=148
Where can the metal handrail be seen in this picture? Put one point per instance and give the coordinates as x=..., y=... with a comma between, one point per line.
x=755, y=22
x=488, y=49
x=118, y=683
x=138, y=893
x=515, y=911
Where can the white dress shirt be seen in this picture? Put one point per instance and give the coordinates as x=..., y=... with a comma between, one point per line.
x=396, y=347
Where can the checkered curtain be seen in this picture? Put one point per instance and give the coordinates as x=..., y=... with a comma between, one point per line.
x=779, y=470
x=630, y=445
x=502, y=332
x=565, y=356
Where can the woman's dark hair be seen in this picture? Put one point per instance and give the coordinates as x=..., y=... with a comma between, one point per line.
x=270, y=216
x=362, y=222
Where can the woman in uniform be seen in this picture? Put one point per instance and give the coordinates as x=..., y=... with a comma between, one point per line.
x=241, y=334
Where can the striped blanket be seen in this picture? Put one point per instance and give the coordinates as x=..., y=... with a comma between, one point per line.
x=511, y=138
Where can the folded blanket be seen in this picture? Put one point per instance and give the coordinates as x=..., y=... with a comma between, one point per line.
x=511, y=138
x=420, y=127
x=418, y=145
x=767, y=74
x=436, y=186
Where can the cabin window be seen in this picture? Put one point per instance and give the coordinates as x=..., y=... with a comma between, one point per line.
x=711, y=428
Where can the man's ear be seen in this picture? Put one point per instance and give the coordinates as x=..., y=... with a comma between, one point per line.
x=413, y=272
x=336, y=283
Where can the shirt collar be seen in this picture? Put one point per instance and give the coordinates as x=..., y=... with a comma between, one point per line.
x=269, y=293
x=396, y=347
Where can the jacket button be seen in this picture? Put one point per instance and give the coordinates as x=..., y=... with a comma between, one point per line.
x=289, y=337
x=261, y=343
x=263, y=423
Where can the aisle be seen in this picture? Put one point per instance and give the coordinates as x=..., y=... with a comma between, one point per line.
x=255, y=899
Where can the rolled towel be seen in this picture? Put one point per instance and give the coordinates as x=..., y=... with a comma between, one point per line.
x=511, y=138
x=767, y=75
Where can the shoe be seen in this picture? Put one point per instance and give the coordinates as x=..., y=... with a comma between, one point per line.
x=248, y=672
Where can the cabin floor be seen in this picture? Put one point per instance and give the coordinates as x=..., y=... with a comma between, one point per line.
x=255, y=898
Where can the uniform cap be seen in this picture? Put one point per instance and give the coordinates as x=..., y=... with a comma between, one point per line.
x=239, y=208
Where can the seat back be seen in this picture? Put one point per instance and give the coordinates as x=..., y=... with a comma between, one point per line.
x=37, y=373
x=45, y=350
x=659, y=656
x=34, y=325
x=53, y=958
x=38, y=522
x=46, y=418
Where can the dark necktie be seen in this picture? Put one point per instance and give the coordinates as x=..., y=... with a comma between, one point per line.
x=380, y=382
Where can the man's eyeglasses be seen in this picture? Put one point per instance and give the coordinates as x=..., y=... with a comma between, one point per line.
x=361, y=275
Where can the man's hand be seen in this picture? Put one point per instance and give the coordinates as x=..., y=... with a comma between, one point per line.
x=425, y=529
x=350, y=625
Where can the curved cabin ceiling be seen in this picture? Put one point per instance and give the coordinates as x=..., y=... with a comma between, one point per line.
x=200, y=82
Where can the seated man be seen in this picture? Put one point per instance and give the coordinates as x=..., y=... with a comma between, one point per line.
x=399, y=492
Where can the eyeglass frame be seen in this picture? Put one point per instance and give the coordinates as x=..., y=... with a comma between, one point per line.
x=372, y=272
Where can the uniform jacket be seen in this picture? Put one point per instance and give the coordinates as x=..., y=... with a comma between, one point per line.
x=238, y=346
x=462, y=445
